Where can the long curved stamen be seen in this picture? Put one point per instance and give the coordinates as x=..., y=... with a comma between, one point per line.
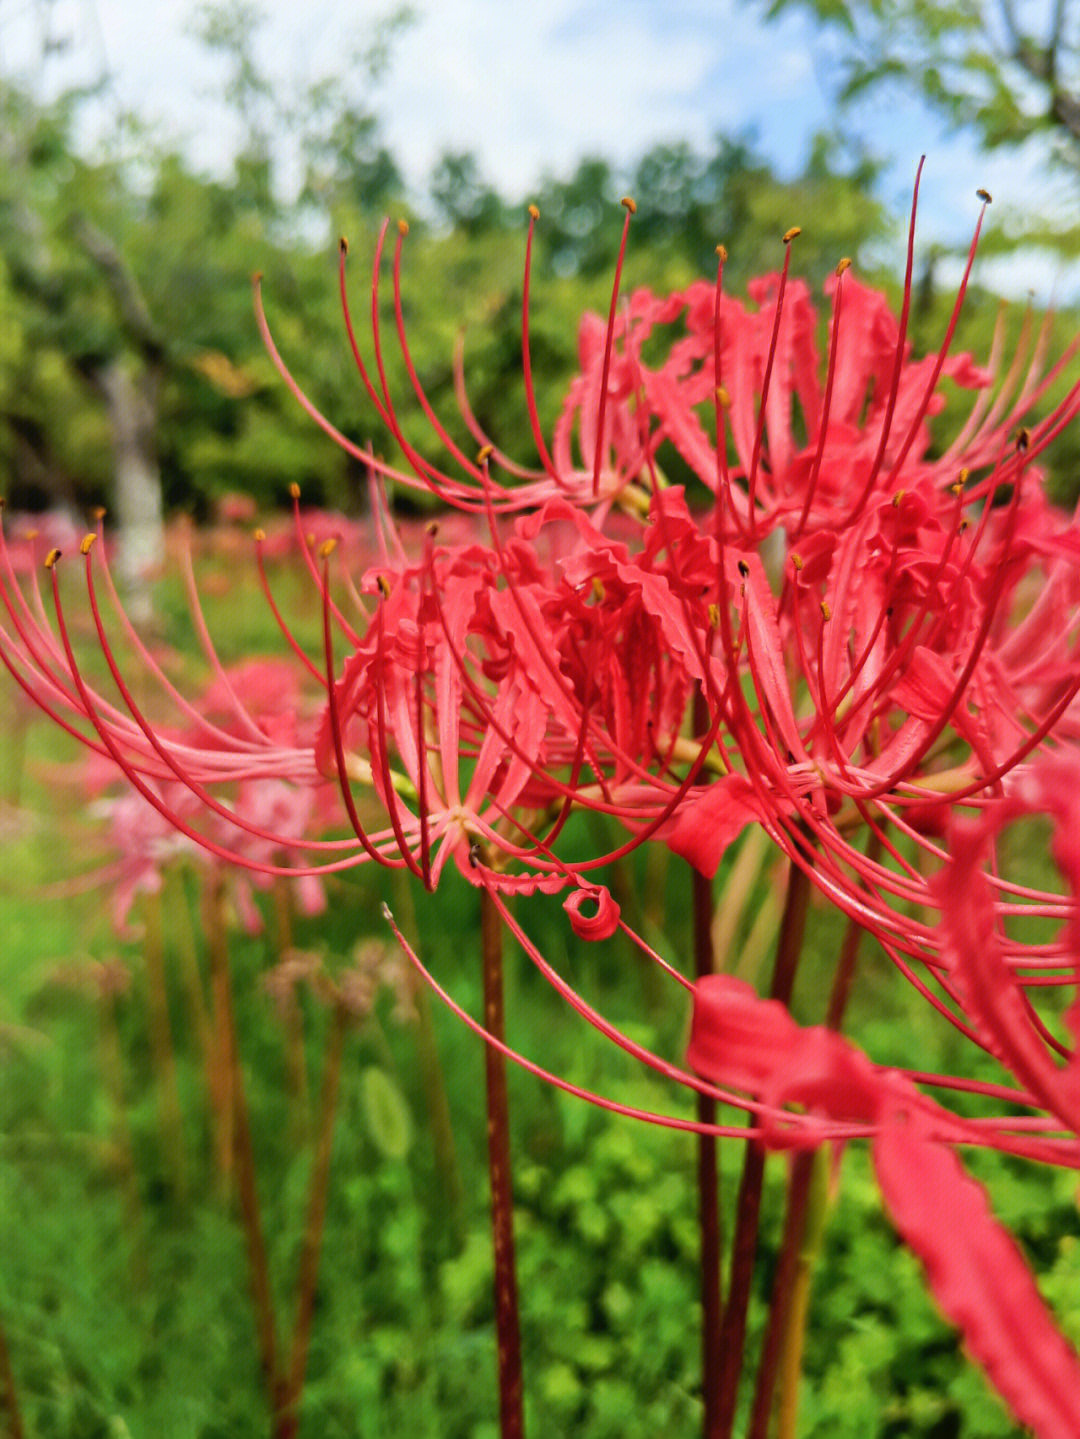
x=826, y=406
x=609, y=337
x=136, y=781
x=414, y=379
x=287, y=634
x=439, y=484
x=338, y=741
x=943, y=352
x=763, y=404
x=169, y=757
x=526, y=354
x=898, y=361
x=317, y=575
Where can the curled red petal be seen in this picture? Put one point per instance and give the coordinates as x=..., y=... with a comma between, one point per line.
x=602, y=922
x=709, y=819
x=978, y=1276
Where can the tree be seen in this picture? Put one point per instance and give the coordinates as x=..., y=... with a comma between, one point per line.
x=1006, y=69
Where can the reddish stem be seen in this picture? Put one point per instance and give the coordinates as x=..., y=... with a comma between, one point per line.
x=243, y=1154
x=748, y=1204
x=707, y=1172
x=507, y=1327
x=288, y=1425
x=799, y=1181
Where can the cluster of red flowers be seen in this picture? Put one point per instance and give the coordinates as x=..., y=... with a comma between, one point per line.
x=832, y=628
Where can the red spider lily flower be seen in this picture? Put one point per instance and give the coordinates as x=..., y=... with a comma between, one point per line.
x=502, y=682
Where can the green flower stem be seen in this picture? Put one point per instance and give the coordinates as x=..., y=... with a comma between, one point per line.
x=507, y=1325
x=748, y=1203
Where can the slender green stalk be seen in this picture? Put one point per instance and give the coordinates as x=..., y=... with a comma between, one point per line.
x=748, y=1204
x=507, y=1325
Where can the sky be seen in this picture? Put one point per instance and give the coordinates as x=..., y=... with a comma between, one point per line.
x=530, y=86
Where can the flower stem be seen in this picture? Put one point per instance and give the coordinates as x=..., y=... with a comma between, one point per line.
x=807, y=1202
x=313, y=1229
x=162, y=1051
x=748, y=1203
x=242, y=1149
x=708, y=1189
x=507, y=1327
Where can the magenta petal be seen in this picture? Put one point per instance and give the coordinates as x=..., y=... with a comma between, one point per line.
x=708, y=820
x=978, y=1276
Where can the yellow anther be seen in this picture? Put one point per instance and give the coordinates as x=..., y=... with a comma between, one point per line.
x=433, y=528
x=984, y=196
x=87, y=544
x=51, y=558
x=534, y=212
x=789, y=235
x=845, y=264
x=403, y=227
x=294, y=490
x=384, y=586
x=327, y=548
x=260, y=535
x=898, y=499
x=721, y=251
x=796, y=561
x=826, y=612
x=99, y=512
x=1023, y=439
x=629, y=204
x=723, y=399
x=714, y=616
x=343, y=245
x=484, y=454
